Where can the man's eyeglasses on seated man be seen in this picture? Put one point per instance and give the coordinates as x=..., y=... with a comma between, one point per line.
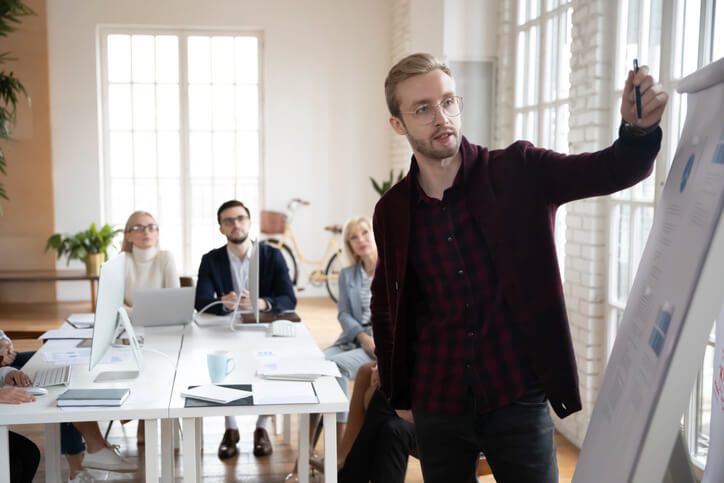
x=232, y=220
x=425, y=113
x=151, y=227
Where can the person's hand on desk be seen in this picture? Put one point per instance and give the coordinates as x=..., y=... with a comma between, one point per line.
x=7, y=352
x=230, y=300
x=15, y=395
x=17, y=378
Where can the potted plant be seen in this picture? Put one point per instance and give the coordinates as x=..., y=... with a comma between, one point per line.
x=383, y=186
x=90, y=246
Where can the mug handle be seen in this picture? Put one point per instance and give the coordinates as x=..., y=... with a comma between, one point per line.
x=233, y=365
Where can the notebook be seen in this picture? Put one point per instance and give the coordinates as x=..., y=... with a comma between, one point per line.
x=93, y=397
x=215, y=394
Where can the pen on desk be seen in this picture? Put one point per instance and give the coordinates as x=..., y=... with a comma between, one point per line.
x=638, y=91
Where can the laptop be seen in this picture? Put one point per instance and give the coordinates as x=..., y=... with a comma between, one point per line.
x=163, y=306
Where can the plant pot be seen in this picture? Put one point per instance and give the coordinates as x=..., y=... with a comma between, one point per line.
x=93, y=262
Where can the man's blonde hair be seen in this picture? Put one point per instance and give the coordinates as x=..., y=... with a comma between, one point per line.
x=410, y=66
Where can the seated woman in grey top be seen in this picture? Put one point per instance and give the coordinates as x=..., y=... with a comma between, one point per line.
x=355, y=346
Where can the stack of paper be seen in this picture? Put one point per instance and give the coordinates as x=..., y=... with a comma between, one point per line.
x=298, y=370
x=81, y=321
x=283, y=392
x=214, y=393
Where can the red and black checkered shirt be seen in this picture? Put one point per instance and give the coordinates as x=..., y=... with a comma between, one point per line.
x=466, y=343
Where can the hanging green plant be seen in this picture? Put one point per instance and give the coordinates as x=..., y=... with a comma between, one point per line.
x=10, y=87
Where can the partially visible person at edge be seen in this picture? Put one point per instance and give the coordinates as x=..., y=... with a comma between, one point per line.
x=469, y=320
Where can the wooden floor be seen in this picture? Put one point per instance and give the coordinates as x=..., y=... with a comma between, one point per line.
x=322, y=316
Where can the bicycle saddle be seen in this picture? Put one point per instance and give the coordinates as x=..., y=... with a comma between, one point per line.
x=334, y=228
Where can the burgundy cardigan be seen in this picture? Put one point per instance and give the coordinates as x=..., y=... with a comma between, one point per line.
x=513, y=195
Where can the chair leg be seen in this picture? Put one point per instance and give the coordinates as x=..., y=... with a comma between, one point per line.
x=108, y=430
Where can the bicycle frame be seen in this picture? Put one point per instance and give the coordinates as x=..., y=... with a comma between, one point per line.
x=288, y=235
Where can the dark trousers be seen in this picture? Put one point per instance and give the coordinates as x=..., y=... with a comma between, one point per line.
x=24, y=458
x=381, y=449
x=517, y=441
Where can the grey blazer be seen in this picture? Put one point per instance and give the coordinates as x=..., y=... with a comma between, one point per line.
x=349, y=307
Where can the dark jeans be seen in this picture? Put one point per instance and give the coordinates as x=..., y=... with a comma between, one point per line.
x=381, y=449
x=24, y=458
x=517, y=441
x=71, y=441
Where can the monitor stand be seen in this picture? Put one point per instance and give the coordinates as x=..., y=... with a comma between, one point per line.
x=110, y=376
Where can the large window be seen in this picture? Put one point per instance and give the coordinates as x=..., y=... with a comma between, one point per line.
x=542, y=83
x=674, y=38
x=181, y=131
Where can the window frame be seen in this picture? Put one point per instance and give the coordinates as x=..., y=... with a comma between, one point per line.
x=186, y=264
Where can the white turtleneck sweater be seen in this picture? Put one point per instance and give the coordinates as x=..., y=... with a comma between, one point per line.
x=148, y=268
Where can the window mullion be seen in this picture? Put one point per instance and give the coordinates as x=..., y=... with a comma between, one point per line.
x=185, y=178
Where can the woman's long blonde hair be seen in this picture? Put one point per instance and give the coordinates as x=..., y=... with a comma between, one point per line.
x=127, y=245
x=350, y=225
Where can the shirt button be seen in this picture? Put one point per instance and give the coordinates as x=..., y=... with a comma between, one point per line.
x=468, y=365
x=467, y=306
x=449, y=238
x=461, y=272
x=471, y=333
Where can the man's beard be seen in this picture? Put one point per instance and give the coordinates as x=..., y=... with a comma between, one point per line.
x=425, y=148
x=237, y=241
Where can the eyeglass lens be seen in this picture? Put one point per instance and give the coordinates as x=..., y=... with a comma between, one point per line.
x=231, y=221
x=150, y=227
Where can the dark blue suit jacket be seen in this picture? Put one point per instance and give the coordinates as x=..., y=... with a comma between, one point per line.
x=275, y=286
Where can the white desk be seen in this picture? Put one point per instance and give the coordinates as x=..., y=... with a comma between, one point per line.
x=149, y=405
x=244, y=344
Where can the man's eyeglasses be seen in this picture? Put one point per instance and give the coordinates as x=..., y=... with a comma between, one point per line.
x=151, y=227
x=231, y=221
x=425, y=113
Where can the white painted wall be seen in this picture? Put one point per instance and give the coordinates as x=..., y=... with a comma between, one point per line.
x=471, y=29
x=325, y=122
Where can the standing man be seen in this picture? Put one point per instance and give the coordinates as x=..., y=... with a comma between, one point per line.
x=467, y=306
x=224, y=276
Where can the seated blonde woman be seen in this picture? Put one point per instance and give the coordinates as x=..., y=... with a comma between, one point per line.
x=355, y=346
x=147, y=266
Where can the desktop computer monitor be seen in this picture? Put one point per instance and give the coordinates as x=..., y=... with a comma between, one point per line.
x=109, y=312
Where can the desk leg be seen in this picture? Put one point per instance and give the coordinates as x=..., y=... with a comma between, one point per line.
x=93, y=295
x=150, y=428
x=303, y=461
x=52, y=453
x=191, y=460
x=4, y=455
x=330, y=447
x=167, y=466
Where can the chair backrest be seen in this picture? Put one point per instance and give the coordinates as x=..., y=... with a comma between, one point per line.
x=186, y=281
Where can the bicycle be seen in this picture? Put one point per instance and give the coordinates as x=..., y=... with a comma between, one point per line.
x=280, y=224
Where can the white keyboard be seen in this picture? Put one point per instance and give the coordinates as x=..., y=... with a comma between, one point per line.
x=52, y=376
x=283, y=328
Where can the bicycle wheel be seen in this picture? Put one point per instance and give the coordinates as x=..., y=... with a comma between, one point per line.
x=288, y=259
x=332, y=272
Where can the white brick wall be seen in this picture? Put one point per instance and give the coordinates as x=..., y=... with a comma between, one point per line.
x=587, y=220
x=400, y=151
x=593, y=23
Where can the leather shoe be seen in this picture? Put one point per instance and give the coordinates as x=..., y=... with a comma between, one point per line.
x=262, y=444
x=227, y=448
